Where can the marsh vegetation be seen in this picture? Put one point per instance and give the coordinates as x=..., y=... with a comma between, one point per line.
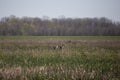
x=41, y=58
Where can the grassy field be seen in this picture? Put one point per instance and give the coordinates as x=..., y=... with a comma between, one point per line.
x=64, y=37
x=40, y=58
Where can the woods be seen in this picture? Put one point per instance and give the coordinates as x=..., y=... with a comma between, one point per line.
x=62, y=26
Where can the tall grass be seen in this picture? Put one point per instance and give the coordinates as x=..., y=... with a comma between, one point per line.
x=57, y=66
x=78, y=60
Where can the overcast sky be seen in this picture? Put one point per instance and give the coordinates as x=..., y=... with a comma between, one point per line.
x=56, y=8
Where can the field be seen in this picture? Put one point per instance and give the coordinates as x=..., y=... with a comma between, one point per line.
x=59, y=57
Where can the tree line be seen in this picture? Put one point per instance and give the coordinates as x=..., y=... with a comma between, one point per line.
x=13, y=25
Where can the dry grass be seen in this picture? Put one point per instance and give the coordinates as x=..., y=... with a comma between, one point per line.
x=35, y=59
x=60, y=72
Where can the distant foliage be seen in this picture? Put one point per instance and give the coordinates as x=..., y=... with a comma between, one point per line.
x=59, y=26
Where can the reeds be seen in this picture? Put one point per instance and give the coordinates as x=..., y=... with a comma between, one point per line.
x=54, y=72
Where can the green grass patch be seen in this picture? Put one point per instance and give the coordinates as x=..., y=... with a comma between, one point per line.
x=64, y=37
